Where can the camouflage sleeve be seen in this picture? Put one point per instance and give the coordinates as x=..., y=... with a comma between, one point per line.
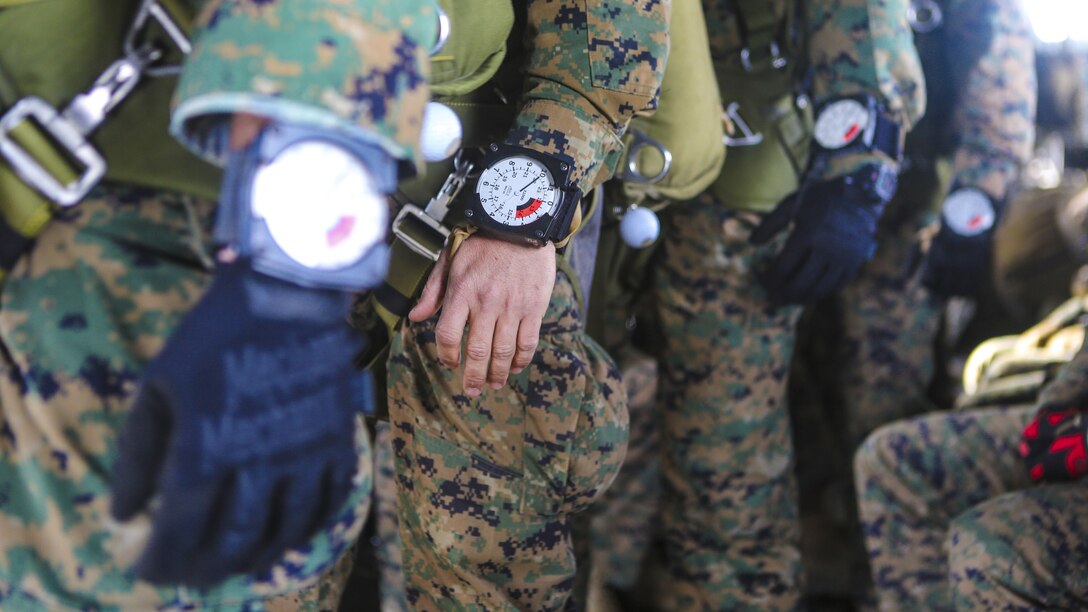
x=865, y=47
x=353, y=66
x=592, y=65
x=992, y=56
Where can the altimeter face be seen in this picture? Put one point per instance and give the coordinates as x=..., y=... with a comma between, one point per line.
x=840, y=123
x=320, y=205
x=517, y=191
x=968, y=212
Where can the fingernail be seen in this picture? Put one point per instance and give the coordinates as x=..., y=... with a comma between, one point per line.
x=497, y=385
x=516, y=370
x=472, y=392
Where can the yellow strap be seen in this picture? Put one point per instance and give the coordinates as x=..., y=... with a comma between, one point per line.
x=24, y=209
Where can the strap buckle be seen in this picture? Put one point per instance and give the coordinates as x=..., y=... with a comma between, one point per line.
x=58, y=130
x=420, y=232
x=138, y=45
x=778, y=61
x=747, y=138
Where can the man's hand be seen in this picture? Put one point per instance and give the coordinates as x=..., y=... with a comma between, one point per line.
x=1053, y=445
x=501, y=290
x=834, y=233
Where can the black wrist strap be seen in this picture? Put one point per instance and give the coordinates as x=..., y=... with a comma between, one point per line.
x=887, y=137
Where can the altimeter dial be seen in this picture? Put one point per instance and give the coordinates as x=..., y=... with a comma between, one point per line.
x=840, y=123
x=517, y=191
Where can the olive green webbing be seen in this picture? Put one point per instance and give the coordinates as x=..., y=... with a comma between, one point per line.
x=10, y=3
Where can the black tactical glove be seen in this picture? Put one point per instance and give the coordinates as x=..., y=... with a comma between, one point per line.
x=243, y=428
x=834, y=233
x=958, y=262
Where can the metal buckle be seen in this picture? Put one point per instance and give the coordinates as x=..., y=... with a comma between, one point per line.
x=412, y=218
x=632, y=173
x=64, y=132
x=778, y=61
x=443, y=32
x=146, y=54
x=748, y=138
x=89, y=109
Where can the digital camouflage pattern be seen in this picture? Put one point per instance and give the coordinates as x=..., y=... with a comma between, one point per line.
x=950, y=515
x=729, y=515
x=919, y=479
x=864, y=47
x=80, y=316
x=359, y=68
x=623, y=523
x=386, y=539
x=1022, y=551
x=592, y=66
x=978, y=132
x=487, y=485
x=885, y=356
x=991, y=53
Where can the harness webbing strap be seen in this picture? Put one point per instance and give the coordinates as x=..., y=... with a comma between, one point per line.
x=24, y=211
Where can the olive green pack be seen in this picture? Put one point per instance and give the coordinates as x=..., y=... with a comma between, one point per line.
x=768, y=100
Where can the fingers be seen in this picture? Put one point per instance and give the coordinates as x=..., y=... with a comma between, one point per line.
x=433, y=292
x=481, y=332
x=503, y=349
x=449, y=330
x=244, y=128
x=141, y=451
x=181, y=524
x=528, y=340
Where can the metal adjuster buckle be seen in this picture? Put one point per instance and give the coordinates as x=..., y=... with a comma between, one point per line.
x=62, y=131
x=420, y=232
x=747, y=138
x=778, y=61
x=138, y=47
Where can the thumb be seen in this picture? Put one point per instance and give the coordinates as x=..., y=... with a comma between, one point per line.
x=776, y=220
x=141, y=451
x=434, y=291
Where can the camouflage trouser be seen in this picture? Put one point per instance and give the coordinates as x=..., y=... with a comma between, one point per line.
x=624, y=520
x=890, y=322
x=730, y=510
x=80, y=316
x=386, y=540
x=950, y=520
x=867, y=359
x=487, y=485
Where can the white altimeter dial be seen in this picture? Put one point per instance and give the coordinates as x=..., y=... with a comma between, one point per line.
x=517, y=191
x=840, y=123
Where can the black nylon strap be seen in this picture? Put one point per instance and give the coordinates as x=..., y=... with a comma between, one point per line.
x=886, y=137
x=393, y=301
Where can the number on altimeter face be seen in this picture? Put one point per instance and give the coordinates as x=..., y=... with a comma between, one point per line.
x=517, y=191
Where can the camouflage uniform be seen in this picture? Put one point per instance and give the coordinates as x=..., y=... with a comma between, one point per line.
x=487, y=485
x=951, y=518
x=878, y=362
x=84, y=311
x=729, y=514
x=980, y=118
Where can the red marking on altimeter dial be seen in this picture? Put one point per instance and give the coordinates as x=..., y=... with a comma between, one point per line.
x=528, y=208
